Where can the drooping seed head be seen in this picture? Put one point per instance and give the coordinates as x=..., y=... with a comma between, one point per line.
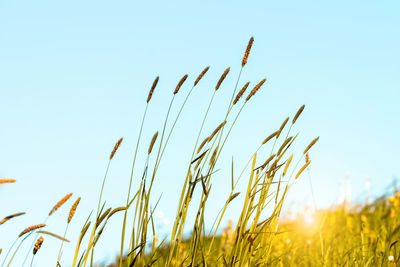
x=153, y=140
x=246, y=54
x=298, y=114
x=310, y=145
x=180, y=84
x=10, y=217
x=116, y=147
x=31, y=228
x=38, y=244
x=241, y=92
x=152, y=89
x=282, y=126
x=60, y=203
x=269, y=137
x=223, y=76
x=4, y=181
x=201, y=75
x=255, y=89
x=73, y=209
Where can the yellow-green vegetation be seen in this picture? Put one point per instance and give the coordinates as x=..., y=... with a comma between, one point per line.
x=268, y=175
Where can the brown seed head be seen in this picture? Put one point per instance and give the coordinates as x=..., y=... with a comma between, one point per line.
x=102, y=217
x=269, y=137
x=201, y=75
x=267, y=161
x=216, y=131
x=233, y=197
x=152, y=89
x=310, y=145
x=116, y=147
x=284, y=145
x=202, y=144
x=73, y=209
x=180, y=84
x=298, y=114
x=241, y=92
x=282, y=126
x=31, y=228
x=3, y=181
x=153, y=140
x=60, y=203
x=38, y=244
x=255, y=89
x=223, y=76
x=246, y=54
x=11, y=216
x=214, y=154
x=307, y=158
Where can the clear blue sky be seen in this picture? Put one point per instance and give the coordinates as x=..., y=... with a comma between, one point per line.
x=74, y=76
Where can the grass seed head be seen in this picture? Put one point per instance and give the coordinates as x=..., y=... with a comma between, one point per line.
x=287, y=165
x=216, y=131
x=298, y=114
x=269, y=137
x=4, y=181
x=53, y=235
x=38, y=244
x=73, y=209
x=153, y=140
x=223, y=76
x=31, y=228
x=5, y=219
x=282, y=126
x=60, y=203
x=255, y=89
x=201, y=75
x=180, y=84
x=116, y=146
x=241, y=92
x=247, y=53
x=152, y=89
x=310, y=145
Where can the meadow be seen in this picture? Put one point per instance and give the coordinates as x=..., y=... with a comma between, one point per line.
x=256, y=238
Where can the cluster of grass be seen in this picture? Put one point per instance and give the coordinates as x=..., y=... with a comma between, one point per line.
x=270, y=172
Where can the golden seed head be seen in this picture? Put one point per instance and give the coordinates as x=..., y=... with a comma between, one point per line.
x=241, y=92
x=201, y=75
x=298, y=114
x=255, y=89
x=60, y=203
x=302, y=169
x=180, y=84
x=153, y=140
x=53, y=235
x=267, y=161
x=73, y=209
x=246, y=54
x=102, y=217
x=38, y=244
x=287, y=165
x=10, y=217
x=152, y=89
x=282, y=126
x=3, y=181
x=31, y=228
x=214, y=154
x=116, y=147
x=310, y=145
x=223, y=76
x=307, y=158
x=269, y=137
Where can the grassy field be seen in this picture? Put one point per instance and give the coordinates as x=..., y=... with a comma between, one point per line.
x=254, y=240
